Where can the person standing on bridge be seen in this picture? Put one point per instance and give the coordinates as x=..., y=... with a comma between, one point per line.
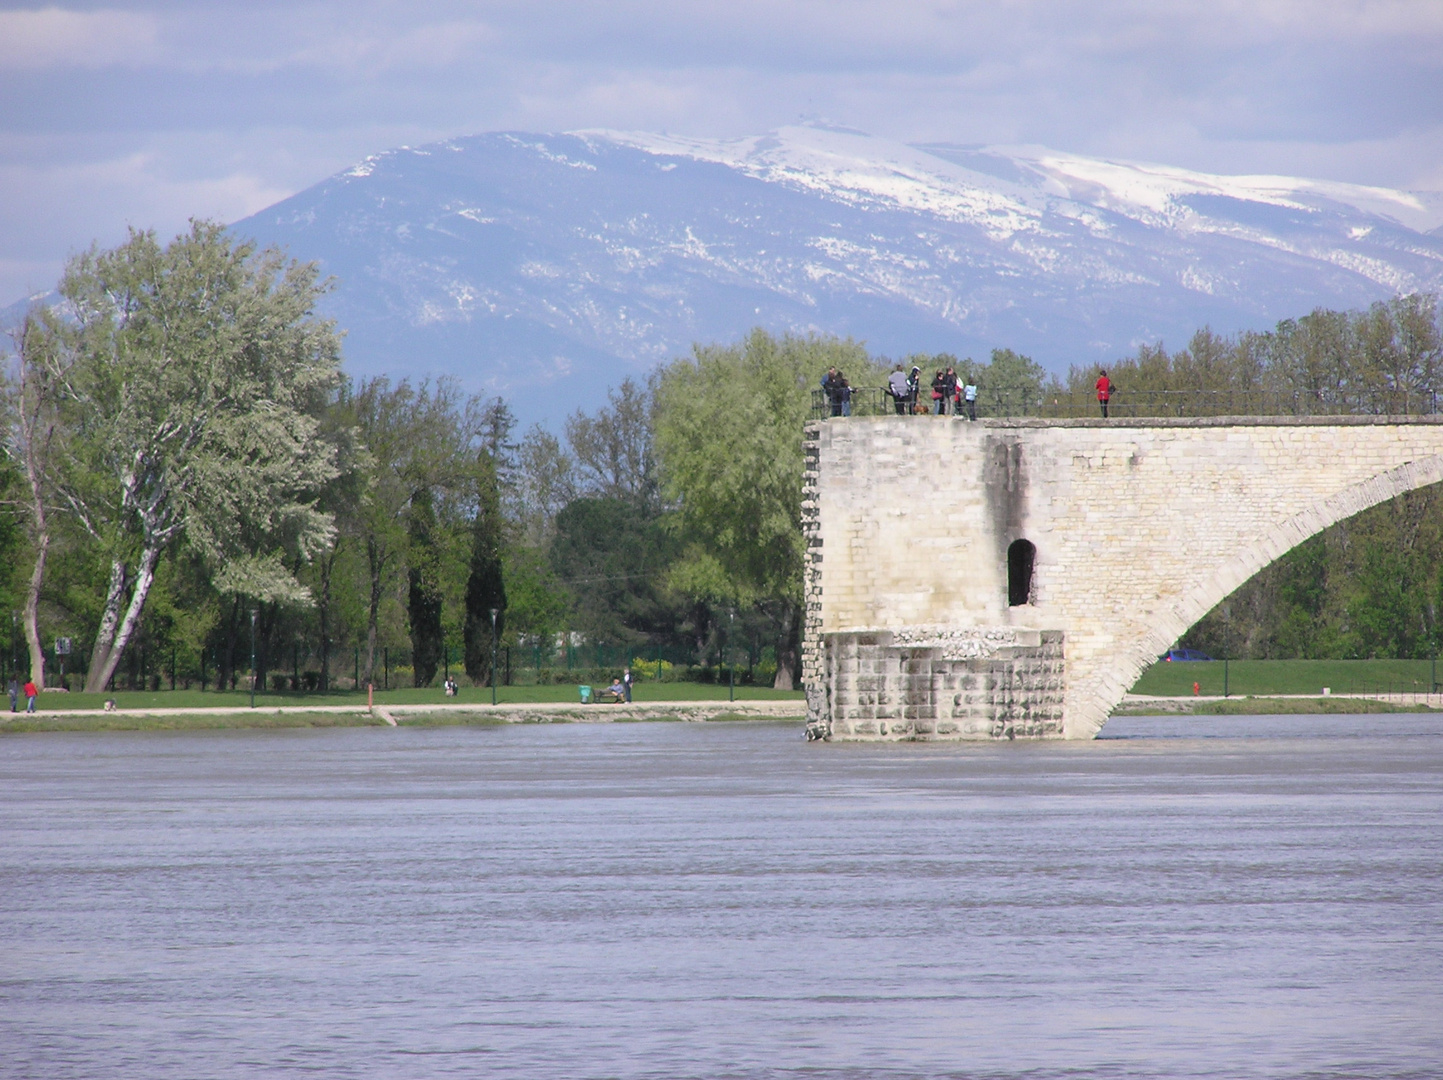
x=900, y=389
x=1104, y=392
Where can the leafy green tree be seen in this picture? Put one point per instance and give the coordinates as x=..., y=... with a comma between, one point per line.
x=546, y=482
x=424, y=590
x=34, y=443
x=728, y=426
x=196, y=378
x=1012, y=377
x=614, y=557
x=421, y=441
x=613, y=449
x=485, y=584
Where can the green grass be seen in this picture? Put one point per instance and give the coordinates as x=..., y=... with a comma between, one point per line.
x=477, y=695
x=1287, y=677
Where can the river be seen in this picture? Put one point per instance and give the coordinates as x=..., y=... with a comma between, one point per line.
x=1246, y=896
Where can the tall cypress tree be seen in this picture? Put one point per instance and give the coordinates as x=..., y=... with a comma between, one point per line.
x=484, y=588
x=424, y=599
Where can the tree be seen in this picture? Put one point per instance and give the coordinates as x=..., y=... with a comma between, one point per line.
x=424, y=590
x=32, y=435
x=614, y=558
x=197, y=377
x=421, y=440
x=485, y=587
x=613, y=448
x=546, y=483
x=728, y=425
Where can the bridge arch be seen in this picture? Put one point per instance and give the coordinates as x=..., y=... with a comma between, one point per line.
x=1255, y=555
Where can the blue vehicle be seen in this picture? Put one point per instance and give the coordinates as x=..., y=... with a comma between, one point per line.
x=1185, y=654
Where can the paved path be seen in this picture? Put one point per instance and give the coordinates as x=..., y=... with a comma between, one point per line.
x=514, y=712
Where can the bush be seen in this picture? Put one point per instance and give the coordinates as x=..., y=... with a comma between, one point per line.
x=653, y=670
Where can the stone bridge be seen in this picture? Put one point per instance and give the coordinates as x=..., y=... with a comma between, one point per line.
x=1013, y=578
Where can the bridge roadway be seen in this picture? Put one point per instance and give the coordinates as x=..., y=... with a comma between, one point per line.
x=1011, y=578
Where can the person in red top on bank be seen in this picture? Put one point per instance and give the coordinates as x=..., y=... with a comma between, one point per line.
x=30, y=695
x=1104, y=392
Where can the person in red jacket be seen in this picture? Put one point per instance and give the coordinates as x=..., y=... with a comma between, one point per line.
x=1104, y=392
x=30, y=694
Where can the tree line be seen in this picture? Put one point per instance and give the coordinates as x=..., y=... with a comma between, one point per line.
x=187, y=469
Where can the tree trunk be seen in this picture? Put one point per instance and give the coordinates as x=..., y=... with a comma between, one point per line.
x=373, y=612
x=144, y=578
x=105, y=633
x=32, y=601
x=36, y=423
x=324, y=608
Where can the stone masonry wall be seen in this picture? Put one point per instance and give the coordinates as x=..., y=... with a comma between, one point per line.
x=941, y=683
x=812, y=583
x=1140, y=528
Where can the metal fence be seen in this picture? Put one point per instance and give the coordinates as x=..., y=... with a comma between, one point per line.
x=876, y=401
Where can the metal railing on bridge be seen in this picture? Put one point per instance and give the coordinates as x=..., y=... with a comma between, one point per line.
x=877, y=401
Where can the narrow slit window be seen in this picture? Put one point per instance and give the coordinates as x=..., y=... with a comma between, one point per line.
x=1020, y=559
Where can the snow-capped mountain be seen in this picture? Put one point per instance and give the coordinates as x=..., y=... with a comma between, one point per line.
x=546, y=267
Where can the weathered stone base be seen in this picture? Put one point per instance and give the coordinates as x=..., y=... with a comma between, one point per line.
x=922, y=683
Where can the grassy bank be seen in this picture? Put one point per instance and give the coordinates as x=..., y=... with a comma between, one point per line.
x=54, y=701
x=72, y=721
x=1288, y=677
x=261, y=718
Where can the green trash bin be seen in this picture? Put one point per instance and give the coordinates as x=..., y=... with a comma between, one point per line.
x=585, y=695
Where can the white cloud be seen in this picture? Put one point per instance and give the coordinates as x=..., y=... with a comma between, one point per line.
x=54, y=37
x=49, y=212
x=252, y=100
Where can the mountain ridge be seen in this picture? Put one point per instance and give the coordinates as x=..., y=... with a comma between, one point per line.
x=547, y=267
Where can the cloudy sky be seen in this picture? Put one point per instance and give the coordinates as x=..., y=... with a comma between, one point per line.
x=148, y=112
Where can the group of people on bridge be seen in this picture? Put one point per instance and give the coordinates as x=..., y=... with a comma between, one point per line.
x=950, y=393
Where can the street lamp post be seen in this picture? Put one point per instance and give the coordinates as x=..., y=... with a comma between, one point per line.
x=494, y=613
x=253, y=658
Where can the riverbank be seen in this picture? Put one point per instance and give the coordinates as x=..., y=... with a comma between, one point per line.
x=397, y=715
x=1276, y=704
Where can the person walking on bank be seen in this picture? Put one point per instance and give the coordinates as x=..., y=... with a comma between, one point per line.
x=899, y=388
x=969, y=395
x=30, y=694
x=14, y=694
x=1104, y=392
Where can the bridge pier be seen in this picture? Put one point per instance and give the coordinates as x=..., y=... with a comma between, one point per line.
x=926, y=683
x=1012, y=578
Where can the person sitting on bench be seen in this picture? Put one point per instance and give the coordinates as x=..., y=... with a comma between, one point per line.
x=616, y=691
